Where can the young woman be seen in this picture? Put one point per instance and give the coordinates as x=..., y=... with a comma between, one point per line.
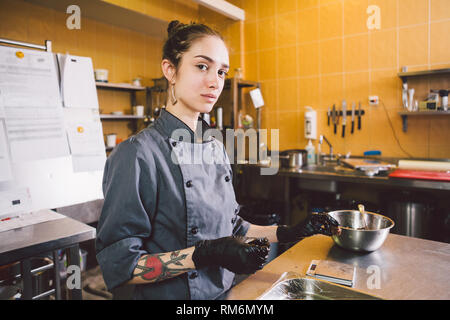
x=169, y=227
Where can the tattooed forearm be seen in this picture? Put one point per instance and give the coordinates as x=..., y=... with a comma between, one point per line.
x=161, y=266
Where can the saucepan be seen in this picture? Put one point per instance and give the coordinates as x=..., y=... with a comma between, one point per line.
x=361, y=231
x=294, y=158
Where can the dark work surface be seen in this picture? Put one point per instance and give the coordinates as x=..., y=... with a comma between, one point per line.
x=340, y=174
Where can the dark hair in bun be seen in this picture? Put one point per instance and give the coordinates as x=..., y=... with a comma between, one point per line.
x=181, y=37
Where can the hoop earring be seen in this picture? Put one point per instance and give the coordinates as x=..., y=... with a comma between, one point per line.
x=174, y=99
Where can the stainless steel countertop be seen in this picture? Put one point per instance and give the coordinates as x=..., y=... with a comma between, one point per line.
x=35, y=239
x=348, y=175
x=409, y=268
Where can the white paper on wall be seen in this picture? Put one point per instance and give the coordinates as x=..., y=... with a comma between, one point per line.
x=28, y=78
x=14, y=201
x=85, y=135
x=257, y=98
x=36, y=133
x=44, y=172
x=5, y=163
x=77, y=82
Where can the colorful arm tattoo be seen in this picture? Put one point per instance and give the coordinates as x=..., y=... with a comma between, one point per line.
x=154, y=269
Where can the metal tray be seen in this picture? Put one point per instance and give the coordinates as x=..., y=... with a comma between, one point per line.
x=292, y=287
x=367, y=164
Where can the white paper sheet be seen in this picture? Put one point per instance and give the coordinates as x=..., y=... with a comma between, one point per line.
x=14, y=202
x=85, y=135
x=30, y=218
x=77, y=82
x=33, y=129
x=29, y=92
x=36, y=133
x=257, y=98
x=5, y=163
x=88, y=163
x=28, y=78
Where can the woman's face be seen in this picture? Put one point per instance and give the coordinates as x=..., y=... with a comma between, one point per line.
x=201, y=74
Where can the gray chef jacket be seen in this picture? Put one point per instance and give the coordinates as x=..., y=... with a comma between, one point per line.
x=155, y=202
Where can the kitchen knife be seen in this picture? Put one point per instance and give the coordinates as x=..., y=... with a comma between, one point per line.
x=344, y=117
x=328, y=115
x=333, y=117
x=353, y=117
x=359, y=116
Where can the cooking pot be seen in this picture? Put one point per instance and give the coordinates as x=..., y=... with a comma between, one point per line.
x=294, y=158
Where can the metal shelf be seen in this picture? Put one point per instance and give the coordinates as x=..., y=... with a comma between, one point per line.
x=406, y=114
x=424, y=113
x=120, y=117
x=405, y=75
x=132, y=90
x=119, y=86
x=241, y=83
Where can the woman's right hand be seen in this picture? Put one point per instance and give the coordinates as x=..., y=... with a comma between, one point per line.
x=232, y=253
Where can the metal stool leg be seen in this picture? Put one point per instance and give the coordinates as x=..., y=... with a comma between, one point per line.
x=73, y=258
x=56, y=278
x=25, y=270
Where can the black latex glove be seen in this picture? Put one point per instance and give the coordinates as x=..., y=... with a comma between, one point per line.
x=232, y=253
x=317, y=223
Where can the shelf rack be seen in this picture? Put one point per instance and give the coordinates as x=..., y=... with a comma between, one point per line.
x=132, y=89
x=123, y=87
x=235, y=85
x=120, y=117
x=421, y=73
x=405, y=75
x=406, y=114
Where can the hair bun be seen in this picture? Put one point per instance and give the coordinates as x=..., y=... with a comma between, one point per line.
x=173, y=27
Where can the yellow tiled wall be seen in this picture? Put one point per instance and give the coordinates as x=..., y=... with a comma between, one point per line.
x=318, y=52
x=304, y=52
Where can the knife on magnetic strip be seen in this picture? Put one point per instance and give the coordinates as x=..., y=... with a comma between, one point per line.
x=353, y=117
x=344, y=117
x=328, y=116
x=359, y=116
x=334, y=118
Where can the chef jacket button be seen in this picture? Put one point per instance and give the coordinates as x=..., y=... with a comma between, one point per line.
x=174, y=144
x=236, y=211
x=193, y=275
x=227, y=178
x=194, y=230
x=189, y=184
x=233, y=220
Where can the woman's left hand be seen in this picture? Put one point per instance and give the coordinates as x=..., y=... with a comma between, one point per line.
x=316, y=223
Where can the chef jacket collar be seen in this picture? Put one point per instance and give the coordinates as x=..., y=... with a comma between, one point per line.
x=168, y=123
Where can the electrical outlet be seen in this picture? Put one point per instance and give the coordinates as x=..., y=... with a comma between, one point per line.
x=373, y=100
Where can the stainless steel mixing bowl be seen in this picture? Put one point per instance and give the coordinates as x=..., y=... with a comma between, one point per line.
x=353, y=235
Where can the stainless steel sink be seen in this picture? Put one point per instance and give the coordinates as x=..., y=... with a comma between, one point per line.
x=303, y=288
